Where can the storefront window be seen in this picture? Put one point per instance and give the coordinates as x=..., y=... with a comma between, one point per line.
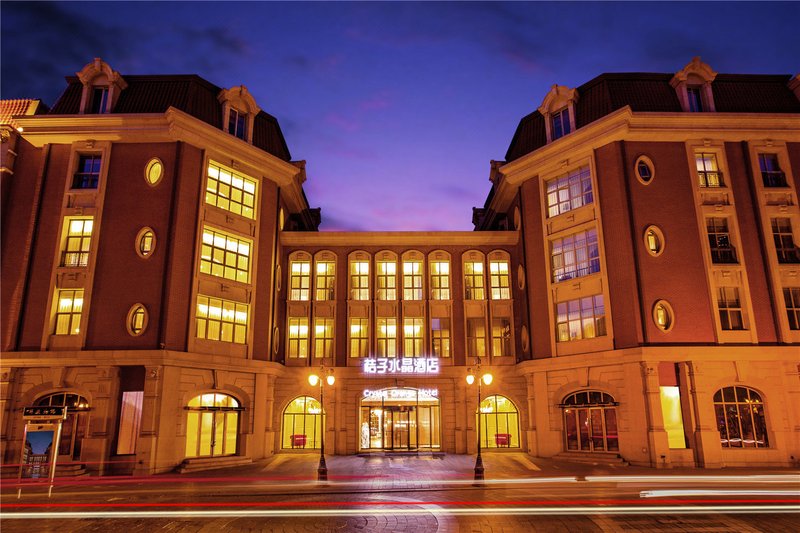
x=740, y=418
x=499, y=423
x=302, y=424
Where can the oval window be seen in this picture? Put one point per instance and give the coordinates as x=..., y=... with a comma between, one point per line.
x=524, y=338
x=521, y=277
x=281, y=219
x=145, y=242
x=645, y=170
x=654, y=241
x=517, y=219
x=663, y=315
x=154, y=171
x=137, y=320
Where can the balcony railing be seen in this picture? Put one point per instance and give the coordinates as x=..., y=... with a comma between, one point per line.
x=710, y=178
x=74, y=259
x=724, y=255
x=788, y=255
x=562, y=274
x=85, y=180
x=773, y=178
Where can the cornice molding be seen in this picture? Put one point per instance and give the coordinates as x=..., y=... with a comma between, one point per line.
x=355, y=239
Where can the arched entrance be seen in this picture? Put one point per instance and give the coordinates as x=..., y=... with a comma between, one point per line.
x=302, y=423
x=74, y=428
x=499, y=422
x=400, y=419
x=212, y=425
x=590, y=422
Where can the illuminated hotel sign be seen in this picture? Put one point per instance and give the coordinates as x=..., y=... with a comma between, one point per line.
x=400, y=394
x=402, y=365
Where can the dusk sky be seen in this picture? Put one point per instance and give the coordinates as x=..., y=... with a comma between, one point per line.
x=396, y=107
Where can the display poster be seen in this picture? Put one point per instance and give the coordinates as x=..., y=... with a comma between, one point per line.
x=37, y=455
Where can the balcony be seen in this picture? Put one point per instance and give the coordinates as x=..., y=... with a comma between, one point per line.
x=724, y=255
x=773, y=178
x=74, y=259
x=788, y=255
x=710, y=178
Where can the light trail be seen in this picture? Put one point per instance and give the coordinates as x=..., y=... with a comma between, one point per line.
x=710, y=492
x=765, y=478
x=383, y=509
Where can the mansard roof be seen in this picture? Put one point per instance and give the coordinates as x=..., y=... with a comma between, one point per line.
x=647, y=92
x=188, y=93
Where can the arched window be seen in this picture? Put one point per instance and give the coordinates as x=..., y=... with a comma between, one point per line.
x=302, y=423
x=590, y=421
x=212, y=425
x=499, y=422
x=75, y=426
x=740, y=418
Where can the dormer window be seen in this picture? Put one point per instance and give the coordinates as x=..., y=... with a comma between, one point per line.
x=558, y=110
x=239, y=111
x=695, y=99
x=99, y=100
x=693, y=86
x=101, y=87
x=560, y=123
x=237, y=124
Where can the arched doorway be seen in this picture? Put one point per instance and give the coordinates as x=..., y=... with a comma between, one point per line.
x=590, y=422
x=74, y=427
x=212, y=425
x=400, y=419
x=499, y=422
x=302, y=423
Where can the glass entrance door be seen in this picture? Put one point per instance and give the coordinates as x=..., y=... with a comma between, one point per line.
x=399, y=428
x=592, y=429
x=399, y=420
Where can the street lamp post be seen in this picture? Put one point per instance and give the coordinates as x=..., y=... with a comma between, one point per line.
x=314, y=379
x=487, y=379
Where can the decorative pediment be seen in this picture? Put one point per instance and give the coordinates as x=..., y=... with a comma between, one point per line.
x=696, y=71
x=239, y=98
x=559, y=96
x=100, y=69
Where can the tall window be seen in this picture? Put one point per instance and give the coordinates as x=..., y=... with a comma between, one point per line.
x=583, y=318
x=501, y=337
x=771, y=173
x=323, y=337
x=473, y=281
x=560, y=123
x=359, y=337
x=231, y=191
x=476, y=337
x=225, y=256
x=130, y=421
x=99, y=100
x=387, y=280
x=791, y=295
x=326, y=281
x=730, y=308
x=569, y=192
x=88, y=174
x=590, y=422
x=499, y=422
x=412, y=337
x=499, y=280
x=740, y=418
x=237, y=124
x=297, y=338
x=221, y=320
x=784, y=241
x=440, y=337
x=386, y=337
x=412, y=280
x=440, y=280
x=68, y=311
x=212, y=425
x=78, y=242
x=707, y=170
x=575, y=256
x=695, y=99
x=302, y=423
x=359, y=280
x=300, y=280
x=719, y=239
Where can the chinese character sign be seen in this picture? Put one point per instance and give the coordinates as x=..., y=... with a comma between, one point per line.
x=403, y=365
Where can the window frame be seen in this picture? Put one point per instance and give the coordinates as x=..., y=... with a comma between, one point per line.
x=83, y=180
x=599, y=325
x=386, y=282
x=299, y=283
x=84, y=240
x=413, y=280
x=231, y=240
x=235, y=325
x=298, y=336
x=327, y=340
x=726, y=397
x=558, y=191
x=358, y=280
x=569, y=244
x=474, y=257
x=248, y=212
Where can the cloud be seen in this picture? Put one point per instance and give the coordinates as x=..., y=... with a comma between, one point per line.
x=342, y=122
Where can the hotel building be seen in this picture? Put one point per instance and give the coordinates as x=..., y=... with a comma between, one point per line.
x=633, y=283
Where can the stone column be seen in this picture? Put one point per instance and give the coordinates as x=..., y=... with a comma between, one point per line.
x=706, y=434
x=96, y=446
x=657, y=439
x=148, y=433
